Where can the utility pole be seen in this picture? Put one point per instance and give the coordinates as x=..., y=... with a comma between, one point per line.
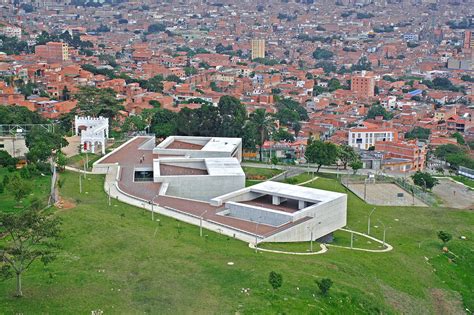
x=368, y=222
x=152, y=202
x=256, y=235
x=200, y=222
x=365, y=189
x=384, y=229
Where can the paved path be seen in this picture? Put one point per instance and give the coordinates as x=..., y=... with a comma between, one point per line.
x=314, y=168
x=73, y=147
x=324, y=247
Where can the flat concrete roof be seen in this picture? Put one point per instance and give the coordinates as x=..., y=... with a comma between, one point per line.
x=222, y=144
x=210, y=144
x=295, y=192
x=223, y=166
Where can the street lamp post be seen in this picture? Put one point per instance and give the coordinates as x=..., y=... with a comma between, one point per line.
x=384, y=229
x=365, y=189
x=152, y=208
x=368, y=221
x=256, y=235
x=200, y=222
x=311, y=238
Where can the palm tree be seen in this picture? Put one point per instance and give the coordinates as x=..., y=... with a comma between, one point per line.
x=264, y=123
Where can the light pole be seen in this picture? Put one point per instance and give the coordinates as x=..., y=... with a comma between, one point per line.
x=368, y=221
x=384, y=229
x=80, y=183
x=256, y=235
x=311, y=239
x=152, y=208
x=200, y=222
x=365, y=189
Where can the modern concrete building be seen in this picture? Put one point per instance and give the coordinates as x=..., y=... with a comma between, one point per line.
x=258, y=48
x=14, y=145
x=199, y=180
x=199, y=147
x=311, y=212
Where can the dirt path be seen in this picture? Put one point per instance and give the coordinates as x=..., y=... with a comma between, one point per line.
x=454, y=195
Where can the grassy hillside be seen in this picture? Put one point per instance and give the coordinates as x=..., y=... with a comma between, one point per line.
x=117, y=260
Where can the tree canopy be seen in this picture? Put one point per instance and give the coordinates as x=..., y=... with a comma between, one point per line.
x=419, y=133
x=321, y=153
x=32, y=236
x=378, y=110
x=425, y=180
x=321, y=53
x=95, y=102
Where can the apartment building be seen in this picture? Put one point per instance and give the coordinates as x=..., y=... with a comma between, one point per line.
x=363, y=84
x=258, y=48
x=53, y=52
x=408, y=150
x=366, y=136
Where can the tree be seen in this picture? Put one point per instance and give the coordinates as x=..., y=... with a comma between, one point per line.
x=18, y=187
x=31, y=236
x=10, y=115
x=282, y=134
x=61, y=160
x=423, y=179
x=346, y=155
x=275, y=280
x=290, y=112
x=444, y=236
x=6, y=159
x=42, y=143
x=321, y=153
x=164, y=123
x=356, y=165
x=134, y=123
x=95, y=102
x=324, y=285
x=321, y=53
x=443, y=151
x=459, y=138
x=233, y=116
x=263, y=123
x=156, y=28
x=155, y=103
x=378, y=110
x=418, y=133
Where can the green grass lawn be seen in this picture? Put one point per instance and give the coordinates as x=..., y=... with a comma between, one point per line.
x=255, y=173
x=79, y=160
x=41, y=187
x=116, y=259
x=466, y=181
x=251, y=182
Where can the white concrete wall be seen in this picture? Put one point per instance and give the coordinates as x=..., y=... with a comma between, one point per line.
x=328, y=218
x=257, y=214
x=16, y=147
x=202, y=187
